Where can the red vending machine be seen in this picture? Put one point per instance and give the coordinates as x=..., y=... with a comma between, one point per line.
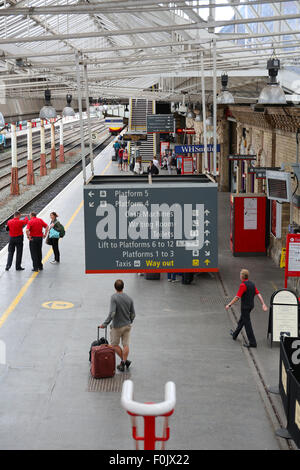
x=248, y=216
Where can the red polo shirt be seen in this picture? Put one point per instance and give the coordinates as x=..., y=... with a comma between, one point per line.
x=35, y=227
x=242, y=290
x=15, y=226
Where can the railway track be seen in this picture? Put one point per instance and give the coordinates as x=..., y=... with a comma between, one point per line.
x=69, y=144
x=5, y=157
x=38, y=202
x=22, y=139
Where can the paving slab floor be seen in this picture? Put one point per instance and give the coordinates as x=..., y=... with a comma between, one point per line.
x=180, y=334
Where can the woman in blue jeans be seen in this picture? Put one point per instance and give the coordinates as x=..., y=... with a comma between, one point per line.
x=172, y=276
x=54, y=241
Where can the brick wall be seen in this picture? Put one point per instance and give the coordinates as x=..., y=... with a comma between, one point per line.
x=285, y=148
x=279, y=147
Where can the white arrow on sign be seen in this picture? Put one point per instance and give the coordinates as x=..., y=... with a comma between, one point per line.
x=207, y=232
x=206, y=212
x=207, y=253
x=207, y=242
x=206, y=222
x=91, y=194
x=91, y=204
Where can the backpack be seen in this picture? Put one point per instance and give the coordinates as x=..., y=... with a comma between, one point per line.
x=60, y=228
x=98, y=342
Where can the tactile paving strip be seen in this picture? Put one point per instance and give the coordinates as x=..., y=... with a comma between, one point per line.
x=112, y=384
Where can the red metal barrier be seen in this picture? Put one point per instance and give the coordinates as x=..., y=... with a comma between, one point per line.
x=149, y=412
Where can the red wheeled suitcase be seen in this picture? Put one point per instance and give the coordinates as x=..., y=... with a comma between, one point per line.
x=103, y=361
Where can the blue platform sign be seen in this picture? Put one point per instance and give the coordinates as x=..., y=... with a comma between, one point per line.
x=182, y=149
x=132, y=226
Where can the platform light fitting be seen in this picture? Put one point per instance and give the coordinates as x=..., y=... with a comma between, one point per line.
x=48, y=112
x=272, y=93
x=68, y=110
x=190, y=113
x=225, y=97
x=182, y=109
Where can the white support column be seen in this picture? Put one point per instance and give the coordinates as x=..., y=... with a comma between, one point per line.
x=30, y=173
x=204, y=113
x=53, y=151
x=61, y=141
x=88, y=117
x=80, y=118
x=43, y=168
x=214, y=108
x=14, y=187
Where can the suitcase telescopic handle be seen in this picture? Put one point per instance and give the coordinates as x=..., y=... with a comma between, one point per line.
x=98, y=336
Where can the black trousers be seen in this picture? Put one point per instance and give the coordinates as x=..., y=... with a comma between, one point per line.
x=15, y=243
x=245, y=321
x=54, y=243
x=35, y=246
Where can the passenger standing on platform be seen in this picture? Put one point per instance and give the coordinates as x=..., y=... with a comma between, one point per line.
x=172, y=277
x=125, y=160
x=164, y=162
x=169, y=164
x=36, y=230
x=117, y=146
x=121, y=314
x=15, y=227
x=174, y=159
x=152, y=169
x=121, y=152
x=53, y=238
x=155, y=161
x=246, y=293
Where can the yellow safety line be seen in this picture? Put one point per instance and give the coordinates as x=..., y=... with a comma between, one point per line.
x=17, y=299
x=24, y=289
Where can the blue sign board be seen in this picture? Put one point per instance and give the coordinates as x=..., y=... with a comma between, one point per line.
x=182, y=149
x=167, y=226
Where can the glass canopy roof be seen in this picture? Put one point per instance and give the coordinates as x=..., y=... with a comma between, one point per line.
x=150, y=48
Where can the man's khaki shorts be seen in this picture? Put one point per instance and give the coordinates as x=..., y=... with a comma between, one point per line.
x=117, y=334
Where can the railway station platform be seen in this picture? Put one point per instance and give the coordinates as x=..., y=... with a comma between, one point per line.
x=181, y=333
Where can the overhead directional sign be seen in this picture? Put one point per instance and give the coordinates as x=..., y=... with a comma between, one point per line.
x=157, y=123
x=182, y=149
x=134, y=226
x=260, y=171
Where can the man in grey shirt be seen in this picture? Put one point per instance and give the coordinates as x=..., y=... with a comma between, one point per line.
x=121, y=314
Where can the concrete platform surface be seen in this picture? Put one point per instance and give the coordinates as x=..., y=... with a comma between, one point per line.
x=180, y=334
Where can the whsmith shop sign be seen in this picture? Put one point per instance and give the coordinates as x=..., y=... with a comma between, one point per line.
x=183, y=149
x=133, y=226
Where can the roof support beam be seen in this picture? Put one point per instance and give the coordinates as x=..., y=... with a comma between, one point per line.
x=96, y=50
x=156, y=29
x=106, y=8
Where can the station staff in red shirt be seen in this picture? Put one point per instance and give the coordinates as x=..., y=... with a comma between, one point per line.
x=15, y=228
x=35, y=234
x=247, y=291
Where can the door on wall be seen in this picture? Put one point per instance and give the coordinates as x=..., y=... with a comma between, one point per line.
x=232, y=165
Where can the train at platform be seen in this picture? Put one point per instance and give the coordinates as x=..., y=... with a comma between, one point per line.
x=115, y=124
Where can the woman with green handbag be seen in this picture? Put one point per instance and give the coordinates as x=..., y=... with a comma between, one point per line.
x=53, y=237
